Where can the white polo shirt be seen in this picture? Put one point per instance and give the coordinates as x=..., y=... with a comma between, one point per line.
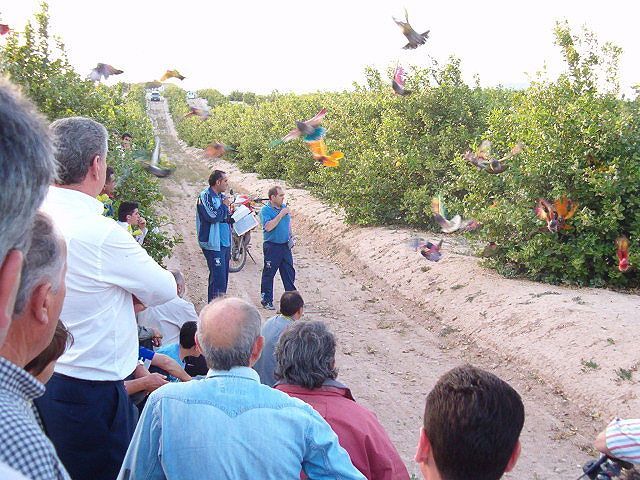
x=105, y=266
x=168, y=318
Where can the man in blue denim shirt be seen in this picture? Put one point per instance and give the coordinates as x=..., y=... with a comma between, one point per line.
x=213, y=225
x=229, y=426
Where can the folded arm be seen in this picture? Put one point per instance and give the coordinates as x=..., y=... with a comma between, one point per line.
x=126, y=264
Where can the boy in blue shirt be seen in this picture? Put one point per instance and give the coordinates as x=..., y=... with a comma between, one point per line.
x=276, y=229
x=186, y=347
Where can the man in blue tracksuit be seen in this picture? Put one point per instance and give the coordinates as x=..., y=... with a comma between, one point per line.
x=213, y=225
x=276, y=229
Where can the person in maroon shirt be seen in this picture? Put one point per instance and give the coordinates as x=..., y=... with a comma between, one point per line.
x=305, y=369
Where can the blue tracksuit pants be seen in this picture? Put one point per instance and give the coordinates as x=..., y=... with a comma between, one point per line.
x=277, y=256
x=218, y=263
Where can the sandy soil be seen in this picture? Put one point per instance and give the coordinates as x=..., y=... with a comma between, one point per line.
x=402, y=321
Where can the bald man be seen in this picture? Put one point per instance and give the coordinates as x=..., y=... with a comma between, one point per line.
x=229, y=426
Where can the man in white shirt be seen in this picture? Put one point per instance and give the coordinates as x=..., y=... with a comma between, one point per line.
x=169, y=317
x=86, y=409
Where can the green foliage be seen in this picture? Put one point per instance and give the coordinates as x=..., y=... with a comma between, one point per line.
x=249, y=98
x=581, y=140
x=397, y=149
x=624, y=374
x=588, y=365
x=40, y=66
x=580, y=143
x=213, y=96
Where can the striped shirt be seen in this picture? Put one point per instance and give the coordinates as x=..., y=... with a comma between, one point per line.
x=623, y=439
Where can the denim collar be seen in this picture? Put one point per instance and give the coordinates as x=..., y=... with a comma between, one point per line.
x=237, y=372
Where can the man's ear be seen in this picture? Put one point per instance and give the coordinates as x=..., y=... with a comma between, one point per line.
x=514, y=457
x=10, y=273
x=424, y=447
x=256, y=350
x=39, y=303
x=94, y=169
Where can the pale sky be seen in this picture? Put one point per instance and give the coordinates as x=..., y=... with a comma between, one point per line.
x=261, y=45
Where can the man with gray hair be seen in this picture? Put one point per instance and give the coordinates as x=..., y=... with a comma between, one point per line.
x=27, y=167
x=239, y=427
x=86, y=410
x=306, y=367
x=23, y=444
x=169, y=317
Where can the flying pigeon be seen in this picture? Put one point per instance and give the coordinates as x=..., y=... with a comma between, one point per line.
x=447, y=226
x=217, y=150
x=481, y=158
x=556, y=215
x=319, y=150
x=203, y=112
x=398, y=82
x=415, y=39
x=171, y=74
x=428, y=250
x=456, y=223
x=306, y=128
x=154, y=166
x=103, y=70
x=4, y=29
x=622, y=250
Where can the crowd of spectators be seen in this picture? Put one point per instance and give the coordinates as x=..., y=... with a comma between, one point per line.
x=82, y=398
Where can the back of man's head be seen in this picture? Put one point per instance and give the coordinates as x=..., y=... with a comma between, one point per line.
x=473, y=422
x=43, y=262
x=77, y=141
x=305, y=355
x=188, y=334
x=125, y=209
x=179, y=277
x=27, y=167
x=228, y=330
x=290, y=303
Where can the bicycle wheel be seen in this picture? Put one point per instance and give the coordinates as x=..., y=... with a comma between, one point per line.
x=238, y=254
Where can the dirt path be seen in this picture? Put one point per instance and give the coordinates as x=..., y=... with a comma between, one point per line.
x=391, y=349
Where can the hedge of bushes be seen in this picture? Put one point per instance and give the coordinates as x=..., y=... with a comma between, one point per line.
x=582, y=140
